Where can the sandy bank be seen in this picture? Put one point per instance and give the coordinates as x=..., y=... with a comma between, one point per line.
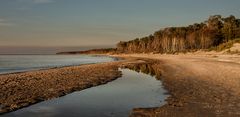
x=23, y=89
x=200, y=85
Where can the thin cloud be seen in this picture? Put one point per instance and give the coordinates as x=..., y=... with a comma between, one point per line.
x=25, y=5
x=37, y=1
x=42, y=1
x=4, y=22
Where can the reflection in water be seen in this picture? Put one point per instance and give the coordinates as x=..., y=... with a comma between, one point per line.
x=115, y=99
x=146, y=68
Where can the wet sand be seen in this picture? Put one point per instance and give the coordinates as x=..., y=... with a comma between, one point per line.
x=19, y=90
x=199, y=86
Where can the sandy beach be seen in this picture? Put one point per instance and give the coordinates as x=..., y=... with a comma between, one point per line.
x=23, y=89
x=199, y=85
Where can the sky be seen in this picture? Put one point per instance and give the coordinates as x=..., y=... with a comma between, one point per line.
x=35, y=24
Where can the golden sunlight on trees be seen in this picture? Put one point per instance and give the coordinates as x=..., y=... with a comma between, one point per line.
x=210, y=33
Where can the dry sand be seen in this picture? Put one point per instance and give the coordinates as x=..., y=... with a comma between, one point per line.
x=200, y=86
x=236, y=47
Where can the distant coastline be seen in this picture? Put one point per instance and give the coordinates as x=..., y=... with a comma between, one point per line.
x=42, y=50
x=215, y=34
x=199, y=65
x=22, y=63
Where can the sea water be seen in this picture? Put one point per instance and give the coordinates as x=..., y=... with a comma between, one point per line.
x=20, y=63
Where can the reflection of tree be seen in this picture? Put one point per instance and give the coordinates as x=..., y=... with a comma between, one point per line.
x=136, y=68
x=146, y=68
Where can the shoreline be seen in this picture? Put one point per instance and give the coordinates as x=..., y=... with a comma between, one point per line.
x=23, y=89
x=56, y=67
x=50, y=68
x=198, y=84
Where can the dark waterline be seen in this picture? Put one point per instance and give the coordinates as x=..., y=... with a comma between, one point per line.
x=115, y=99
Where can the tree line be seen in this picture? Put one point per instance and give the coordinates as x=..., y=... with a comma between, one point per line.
x=210, y=33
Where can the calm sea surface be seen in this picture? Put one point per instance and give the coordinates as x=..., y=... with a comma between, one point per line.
x=19, y=63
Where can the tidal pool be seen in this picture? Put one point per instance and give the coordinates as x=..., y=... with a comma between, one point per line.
x=114, y=99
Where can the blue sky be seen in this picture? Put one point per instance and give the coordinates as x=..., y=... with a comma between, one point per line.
x=99, y=22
